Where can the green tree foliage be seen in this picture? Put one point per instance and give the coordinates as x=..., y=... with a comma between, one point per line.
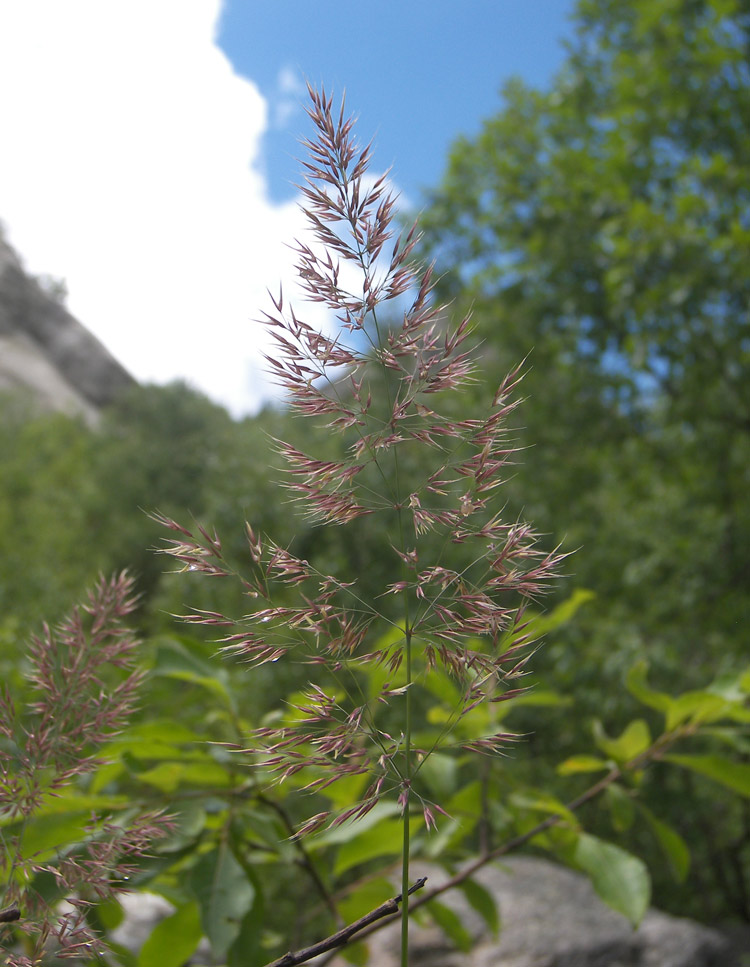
x=602, y=227
x=73, y=499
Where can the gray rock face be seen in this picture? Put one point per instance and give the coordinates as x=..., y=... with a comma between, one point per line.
x=46, y=352
x=551, y=917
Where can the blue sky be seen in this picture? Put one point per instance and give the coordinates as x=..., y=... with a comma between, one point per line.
x=417, y=74
x=149, y=149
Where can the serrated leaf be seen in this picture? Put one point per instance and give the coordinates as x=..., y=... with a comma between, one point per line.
x=173, y=940
x=619, y=878
x=733, y=775
x=450, y=923
x=483, y=902
x=225, y=896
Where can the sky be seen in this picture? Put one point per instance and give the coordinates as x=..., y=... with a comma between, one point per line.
x=149, y=149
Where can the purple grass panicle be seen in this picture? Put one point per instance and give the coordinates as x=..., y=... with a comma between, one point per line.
x=387, y=378
x=83, y=688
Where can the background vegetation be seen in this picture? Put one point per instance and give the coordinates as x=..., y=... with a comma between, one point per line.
x=600, y=229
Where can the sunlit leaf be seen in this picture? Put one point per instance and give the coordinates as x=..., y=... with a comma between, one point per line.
x=634, y=740
x=581, y=763
x=734, y=775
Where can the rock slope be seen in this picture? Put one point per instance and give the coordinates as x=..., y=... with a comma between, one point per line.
x=46, y=352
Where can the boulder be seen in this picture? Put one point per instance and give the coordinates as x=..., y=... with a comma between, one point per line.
x=550, y=917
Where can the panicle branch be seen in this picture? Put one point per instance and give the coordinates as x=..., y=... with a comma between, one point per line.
x=386, y=387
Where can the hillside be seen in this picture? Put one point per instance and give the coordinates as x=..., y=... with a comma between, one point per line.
x=46, y=352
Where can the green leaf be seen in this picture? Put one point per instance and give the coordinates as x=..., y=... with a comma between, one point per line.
x=357, y=954
x=698, y=707
x=673, y=846
x=173, y=940
x=385, y=839
x=483, y=902
x=345, y=791
x=365, y=898
x=634, y=739
x=443, y=687
x=54, y=832
x=544, y=803
x=581, y=763
x=225, y=896
x=189, y=818
x=110, y=913
x=173, y=660
x=638, y=686
x=541, y=698
x=450, y=923
x=247, y=949
x=733, y=775
x=352, y=828
x=440, y=772
x=562, y=614
x=621, y=808
x=619, y=878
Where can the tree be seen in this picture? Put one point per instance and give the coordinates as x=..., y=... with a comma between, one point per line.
x=602, y=227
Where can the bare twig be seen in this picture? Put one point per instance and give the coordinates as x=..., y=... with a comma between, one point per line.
x=342, y=937
x=10, y=914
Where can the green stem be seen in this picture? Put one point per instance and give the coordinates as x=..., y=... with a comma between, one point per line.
x=407, y=790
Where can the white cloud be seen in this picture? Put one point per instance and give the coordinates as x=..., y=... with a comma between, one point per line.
x=127, y=168
x=290, y=95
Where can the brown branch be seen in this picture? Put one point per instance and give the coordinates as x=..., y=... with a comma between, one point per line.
x=10, y=914
x=342, y=937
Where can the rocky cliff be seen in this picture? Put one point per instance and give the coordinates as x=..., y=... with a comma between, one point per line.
x=46, y=352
